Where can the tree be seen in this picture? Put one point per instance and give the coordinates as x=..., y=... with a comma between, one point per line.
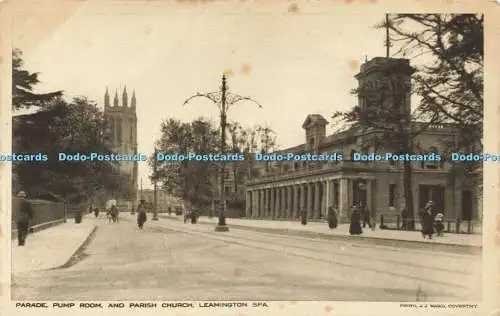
x=190, y=179
x=62, y=127
x=451, y=83
x=23, y=83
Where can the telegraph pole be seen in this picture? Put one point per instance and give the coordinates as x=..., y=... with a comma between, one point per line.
x=223, y=117
x=387, y=37
x=155, y=189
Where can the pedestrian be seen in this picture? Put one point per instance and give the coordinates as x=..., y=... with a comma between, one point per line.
x=332, y=217
x=303, y=215
x=404, y=216
x=141, y=213
x=365, y=212
x=430, y=206
x=427, y=223
x=438, y=224
x=355, y=225
x=23, y=222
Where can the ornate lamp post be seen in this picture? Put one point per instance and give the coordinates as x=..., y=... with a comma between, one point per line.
x=224, y=100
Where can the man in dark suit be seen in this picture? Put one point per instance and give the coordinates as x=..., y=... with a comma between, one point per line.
x=23, y=222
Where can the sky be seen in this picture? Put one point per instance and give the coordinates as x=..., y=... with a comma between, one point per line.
x=294, y=60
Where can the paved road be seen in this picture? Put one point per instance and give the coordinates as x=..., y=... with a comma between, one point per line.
x=170, y=260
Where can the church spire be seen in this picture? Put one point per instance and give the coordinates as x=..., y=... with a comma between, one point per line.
x=133, y=101
x=115, y=101
x=106, y=98
x=125, y=97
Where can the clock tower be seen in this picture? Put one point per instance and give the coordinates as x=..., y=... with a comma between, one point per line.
x=385, y=82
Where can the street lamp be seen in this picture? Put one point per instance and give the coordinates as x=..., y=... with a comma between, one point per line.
x=224, y=100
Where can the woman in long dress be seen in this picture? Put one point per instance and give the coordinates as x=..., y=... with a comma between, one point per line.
x=355, y=226
x=427, y=224
x=141, y=213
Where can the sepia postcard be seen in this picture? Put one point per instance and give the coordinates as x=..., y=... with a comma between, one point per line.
x=249, y=157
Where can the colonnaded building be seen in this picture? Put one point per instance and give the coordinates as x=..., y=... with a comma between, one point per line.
x=122, y=135
x=282, y=191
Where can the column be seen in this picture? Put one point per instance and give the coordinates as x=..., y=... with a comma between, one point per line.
x=317, y=206
x=248, y=204
x=255, y=201
x=326, y=197
x=289, y=201
x=284, y=203
x=296, y=201
x=369, y=200
x=271, y=204
x=343, y=197
x=261, y=203
x=277, y=203
x=309, y=206
x=266, y=203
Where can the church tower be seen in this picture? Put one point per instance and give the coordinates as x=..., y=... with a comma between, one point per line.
x=122, y=132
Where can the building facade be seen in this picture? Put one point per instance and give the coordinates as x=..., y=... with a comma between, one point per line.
x=289, y=187
x=122, y=133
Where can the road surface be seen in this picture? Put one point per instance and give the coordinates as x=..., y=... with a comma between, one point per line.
x=170, y=260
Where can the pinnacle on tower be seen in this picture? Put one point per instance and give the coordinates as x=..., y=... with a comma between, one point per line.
x=125, y=97
x=106, y=98
x=115, y=101
x=133, y=101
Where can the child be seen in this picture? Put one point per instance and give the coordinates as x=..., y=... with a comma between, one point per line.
x=439, y=224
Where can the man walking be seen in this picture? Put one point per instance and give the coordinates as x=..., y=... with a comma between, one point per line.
x=23, y=222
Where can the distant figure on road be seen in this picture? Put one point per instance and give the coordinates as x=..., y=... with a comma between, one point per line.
x=404, y=216
x=114, y=212
x=427, y=223
x=96, y=212
x=23, y=222
x=303, y=217
x=355, y=225
x=332, y=217
x=141, y=213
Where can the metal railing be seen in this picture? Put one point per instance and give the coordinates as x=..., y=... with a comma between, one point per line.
x=454, y=226
x=43, y=211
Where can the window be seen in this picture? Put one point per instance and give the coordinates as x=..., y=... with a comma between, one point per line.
x=296, y=166
x=432, y=164
x=352, y=154
x=392, y=194
x=227, y=189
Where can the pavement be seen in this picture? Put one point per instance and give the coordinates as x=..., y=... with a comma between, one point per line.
x=172, y=261
x=321, y=228
x=52, y=247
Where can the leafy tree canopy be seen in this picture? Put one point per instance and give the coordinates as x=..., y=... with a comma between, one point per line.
x=23, y=83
